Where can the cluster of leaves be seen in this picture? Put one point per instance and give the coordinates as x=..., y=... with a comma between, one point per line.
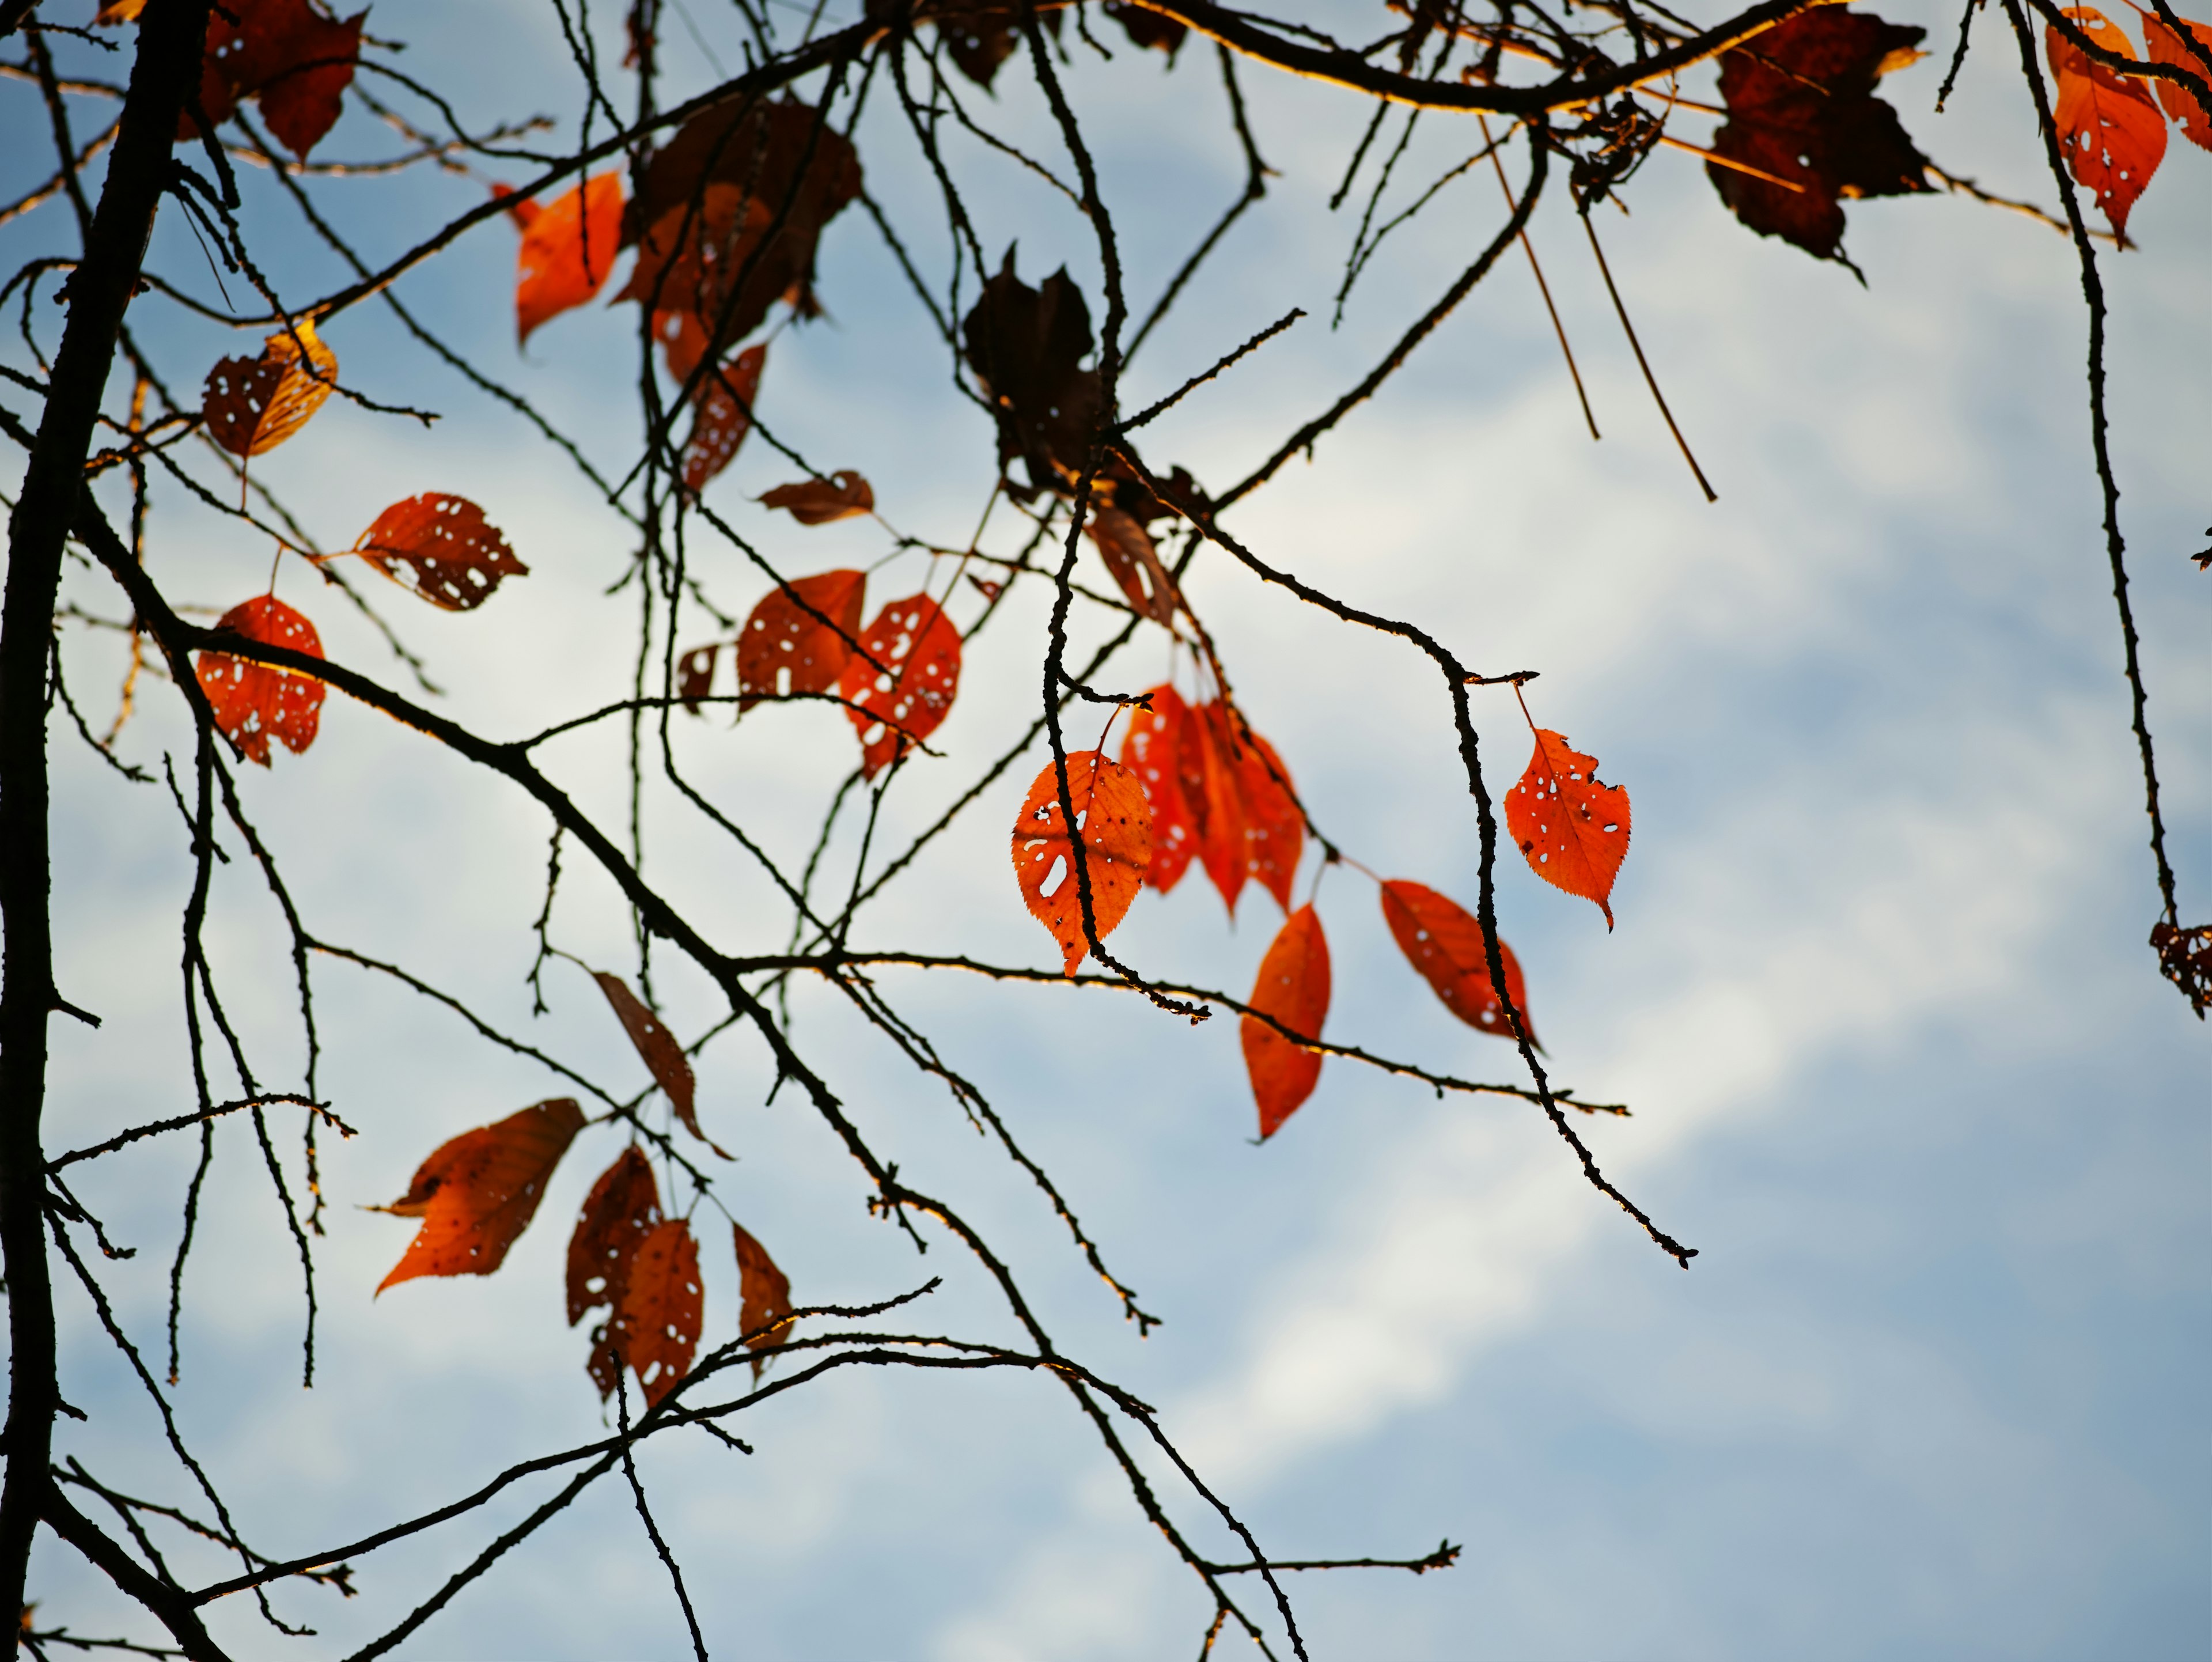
x=2110, y=124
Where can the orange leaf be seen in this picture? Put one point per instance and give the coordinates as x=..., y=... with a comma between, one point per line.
x=2108, y=123
x=1571, y=830
x=663, y=1307
x=253, y=404
x=694, y=675
x=1116, y=827
x=1274, y=829
x=567, y=250
x=917, y=643
x=454, y=558
x=1149, y=751
x=1293, y=988
x=1134, y=560
x=820, y=501
x=785, y=647
x=1206, y=763
x=621, y=1208
x=657, y=1048
x=1445, y=945
x=254, y=702
x=477, y=1192
x=297, y=61
x=765, y=1295
x=2167, y=47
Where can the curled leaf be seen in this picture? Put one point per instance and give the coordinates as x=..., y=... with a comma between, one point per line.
x=764, y=1295
x=657, y=1048
x=568, y=249
x=1027, y=346
x=255, y=703
x=820, y=501
x=787, y=646
x=621, y=1210
x=902, y=703
x=1444, y=943
x=1114, y=824
x=2165, y=47
x=663, y=1306
x=2108, y=123
x=1149, y=751
x=1293, y=986
x=1572, y=830
x=441, y=547
x=251, y=405
x=477, y=1192
x=1134, y=561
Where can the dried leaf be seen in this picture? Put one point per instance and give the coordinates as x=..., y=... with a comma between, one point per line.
x=1293, y=986
x=621, y=1210
x=1115, y=825
x=2108, y=123
x=441, y=547
x=1801, y=107
x=1274, y=828
x=255, y=702
x=1147, y=29
x=656, y=1326
x=2165, y=47
x=1027, y=346
x=1131, y=555
x=1572, y=830
x=567, y=250
x=2185, y=958
x=721, y=415
x=916, y=643
x=1149, y=752
x=289, y=56
x=477, y=1192
x=251, y=405
x=694, y=675
x=1444, y=943
x=978, y=35
x=765, y=1294
x=787, y=648
x=820, y=501
x=657, y=1048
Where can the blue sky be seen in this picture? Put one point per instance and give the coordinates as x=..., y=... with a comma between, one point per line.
x=1901, y=1066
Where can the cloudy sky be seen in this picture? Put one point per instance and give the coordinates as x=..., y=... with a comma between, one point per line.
x=1901, y=1068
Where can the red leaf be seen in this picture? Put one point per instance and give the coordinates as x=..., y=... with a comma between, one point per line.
x=785, y=647
x=1207, y=757
x=297, y=61
x=253, y=404
x=694, y=675
x=1571, y=830
x=621, y=1210
x=820, y=501
x=452, y=557
x=1116, y=828
x=2108, y=123
x=1293, y=988
x=254, y=702
x=2167, y=48
x=567, y=250
x=657, y=1048
x=765, y=1294
x=1149, y=752
x=917, y=643
x=656, y=1327
x=1445, y=945
x=477, y=1192
x=721, y=403
x=1134, y=561
x=1274, y=829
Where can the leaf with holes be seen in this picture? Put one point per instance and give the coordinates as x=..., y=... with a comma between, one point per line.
x=1134, y=561
x=842, y=495
x=1292, y=987
x=442, y=548
x=798, y=638
x=2165, y=47
x=255, y=703
x=905, y=701
x=1149, y=751
x=296, y=61
x=1444, y=943
x=567, y=250
x=621, y=1210
x=721, y=414
x=656, y=1325
x=477, y=1192
x=657, y=1048
x=251, y=405
x=764, y=1295
x=1571, y=829
x=1274, y=828
x=1115, y=825
x=694, y=675
x=2108, y=123
x=1027, y=346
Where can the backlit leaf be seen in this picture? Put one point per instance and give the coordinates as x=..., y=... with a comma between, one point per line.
x=1572, y=830
x=2108, y=123
x=2165, y=47
x=819, y=501
x=1293, y=988
x=1274, y=829
x=295, y=60
x=621, y=1210
x=1207, y=758
x=1444, y=943
x=251, y=405
x=764, y=1295
x=657, y=1047
x=477, y=1192
x=917, y=644
x=255, y=702
x=1134, y=561
x=1115, y=825
x=567, y=250
x=785, y=647
x=657, y=1325
x=441, y=547
x=1149, y=751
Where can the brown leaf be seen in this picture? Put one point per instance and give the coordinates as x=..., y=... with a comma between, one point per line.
x=657, y=1325
x=621, y=1210
x=441, y=547
x=1027, y=346
x=2185, y=958
x=1147, y=29
x=765, y=1294
x=1130, y=554
x=477, y=1192
x=917, y=644
x=285, y=53
x=1293, y=986
x=255, y=703
x=251, y=405
x=567, y=250
x=787, y=647
x=821, y=501
x=1115, y=825
x=694, y=675
x=1444, y=942
x=657, y=1048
